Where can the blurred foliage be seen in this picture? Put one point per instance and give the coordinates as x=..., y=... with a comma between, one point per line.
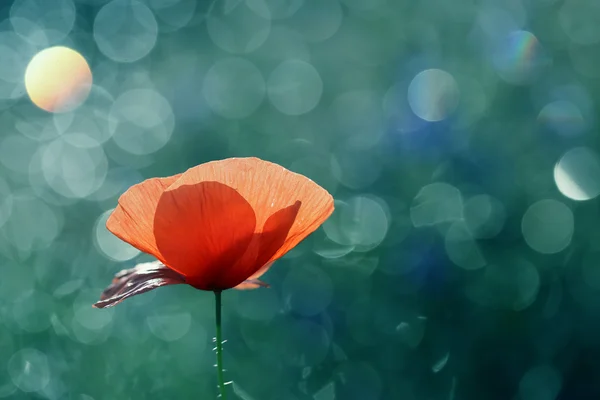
x=459, y=139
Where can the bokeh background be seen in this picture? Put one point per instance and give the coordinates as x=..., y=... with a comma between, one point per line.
x=459, y=138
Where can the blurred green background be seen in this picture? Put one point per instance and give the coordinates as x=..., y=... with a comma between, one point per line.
x=459, y=139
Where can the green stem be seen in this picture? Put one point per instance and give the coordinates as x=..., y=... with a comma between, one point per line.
x=219, y=346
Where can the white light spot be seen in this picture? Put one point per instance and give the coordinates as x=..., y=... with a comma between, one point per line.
x=577, y=174
x=433, y=95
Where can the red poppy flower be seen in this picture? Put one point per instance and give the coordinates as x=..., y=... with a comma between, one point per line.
x=217, y=226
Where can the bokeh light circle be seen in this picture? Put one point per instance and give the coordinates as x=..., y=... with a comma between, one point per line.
x=398, y=112
x=58, y=79
x=577, y=174
x=563, y=117
x=315, y=166
x=117, y=181
x=329, y=249
x=90, y=327
x=474, y=102
x=32, y=124
x=585, y=59
x=461, y=247
x=234, y=88
x=88, y=320
x=433, y=95
x=29, y=370
x=358, y=115
x=236, y=28
x=283, y=44
x=436, y=203
x=43, y=22
x=354, y=168
x=169, y=327
x=294, y=87
x=548, y=226
x=16, y=54
x=511, y=284
x=257, y=305
x=519, y=57
x=110, y=245
x=319, y=20
x=90, y=120
x=361, y=222
x=542, y=382
x=19, y=282
x=173, y=14
x=125, y=30
x=32, y=224
x=580, y=21
x=32, y=311
x=484, y=216
x=142, y=121
x=71, y=170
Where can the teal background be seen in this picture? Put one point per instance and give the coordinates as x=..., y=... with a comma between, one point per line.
x=459, y=139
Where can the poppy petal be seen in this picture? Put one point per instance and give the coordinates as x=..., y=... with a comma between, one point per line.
x=269, y=187
x=201, y=229
x=253, y=282
x=250, y=284
x=276, y=231
x=133, y=219
x=140, y=279
x=260, y=250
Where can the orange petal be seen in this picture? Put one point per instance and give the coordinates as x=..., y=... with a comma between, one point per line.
x=269, y=188
x=133, y=219
x=250, y=284
x=202, y=229
x=253, y=282
x=262, y=247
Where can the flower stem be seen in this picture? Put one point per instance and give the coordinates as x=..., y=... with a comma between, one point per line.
x=219, y=341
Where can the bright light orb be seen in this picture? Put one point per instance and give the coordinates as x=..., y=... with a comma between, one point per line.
x=58, y=79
